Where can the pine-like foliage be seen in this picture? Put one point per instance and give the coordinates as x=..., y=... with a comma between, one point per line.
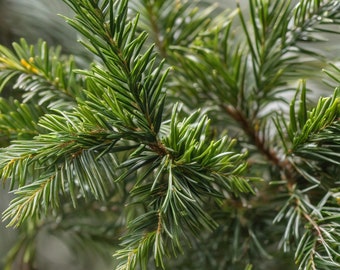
x=188, y=143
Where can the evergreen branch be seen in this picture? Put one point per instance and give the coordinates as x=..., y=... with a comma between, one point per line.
x=27, y=201
x=188, y=144
x=322, y=116
x=171, y=186
x=125, y=102
x=242, y=102
x=227, y=85
x=270, y=23
x=73, y=159
x=173, y=23
x=312, y=134
x=332, y=72
x=70, y=170
x=138, y=249
x=317, y=247
x=19, y=121
x=274, y=37
x=193, y=171
x=218, y=76
x=42, y=73
x=311, y=15
x=136, y=85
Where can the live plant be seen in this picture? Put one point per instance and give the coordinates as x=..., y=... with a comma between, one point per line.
x=193, y=140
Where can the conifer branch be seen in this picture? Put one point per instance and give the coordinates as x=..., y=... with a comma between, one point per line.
x=122, y=108
x=42, y=73
x=162, y=179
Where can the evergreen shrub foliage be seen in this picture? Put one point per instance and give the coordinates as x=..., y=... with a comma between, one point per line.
x=191, y=141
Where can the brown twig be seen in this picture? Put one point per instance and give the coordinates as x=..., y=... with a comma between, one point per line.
x=259, y=141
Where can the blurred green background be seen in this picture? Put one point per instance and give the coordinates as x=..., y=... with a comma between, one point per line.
x=34, y=19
